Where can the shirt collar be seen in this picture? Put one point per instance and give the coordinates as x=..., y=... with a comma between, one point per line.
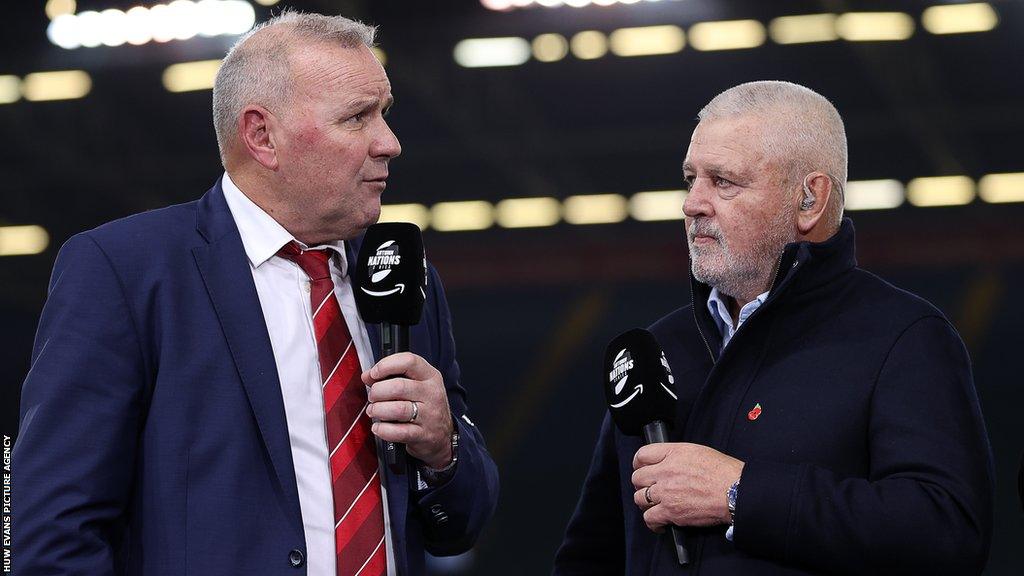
x=720, y=310
x=262, y=236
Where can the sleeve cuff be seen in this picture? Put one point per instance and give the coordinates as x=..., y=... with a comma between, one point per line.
x=764, y=507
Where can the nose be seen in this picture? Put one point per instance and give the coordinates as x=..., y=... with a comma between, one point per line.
x=385, y=143
x=698, y=200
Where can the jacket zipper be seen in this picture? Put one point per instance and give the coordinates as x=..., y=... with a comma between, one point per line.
x=696, y=321
x=775, y=279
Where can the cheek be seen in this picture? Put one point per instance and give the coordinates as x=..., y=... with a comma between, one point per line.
x=311, y=144
x=739, y=229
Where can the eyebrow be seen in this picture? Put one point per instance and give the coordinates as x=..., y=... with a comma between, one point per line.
x=362, y=103
x=718, y=170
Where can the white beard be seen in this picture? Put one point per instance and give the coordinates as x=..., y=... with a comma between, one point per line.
x=738, y=275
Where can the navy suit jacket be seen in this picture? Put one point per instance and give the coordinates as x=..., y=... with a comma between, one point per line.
x=153, y=437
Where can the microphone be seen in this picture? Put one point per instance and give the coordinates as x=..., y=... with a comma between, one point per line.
x=641, y=396
x=389, y=284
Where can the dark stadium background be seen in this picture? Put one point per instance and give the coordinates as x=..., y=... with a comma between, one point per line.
x=534, y=307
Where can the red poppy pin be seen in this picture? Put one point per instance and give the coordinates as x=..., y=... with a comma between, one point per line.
x=754, y=413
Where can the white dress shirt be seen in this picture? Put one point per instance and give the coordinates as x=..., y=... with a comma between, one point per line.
x=283, y=290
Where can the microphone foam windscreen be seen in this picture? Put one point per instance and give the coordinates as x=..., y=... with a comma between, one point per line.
x=638, y=382
x=389, y=280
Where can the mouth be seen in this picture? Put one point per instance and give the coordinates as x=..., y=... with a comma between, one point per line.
x=380, y=182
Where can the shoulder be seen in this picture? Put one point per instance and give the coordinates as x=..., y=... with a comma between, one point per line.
x=883, y=303
x=679, y=337
x=674, y=325
x=150, y=228
x=137, y=244
x=148, y=235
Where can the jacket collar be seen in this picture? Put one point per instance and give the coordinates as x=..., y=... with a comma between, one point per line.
x=802, y=266
x=807, y=265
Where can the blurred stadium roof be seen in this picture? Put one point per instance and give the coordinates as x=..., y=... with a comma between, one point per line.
x=927, y=105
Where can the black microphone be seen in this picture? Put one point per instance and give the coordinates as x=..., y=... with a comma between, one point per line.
x=641, y=396
x=389, y=283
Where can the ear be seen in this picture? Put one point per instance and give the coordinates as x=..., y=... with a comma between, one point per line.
x=814, y=197
x=256, y=128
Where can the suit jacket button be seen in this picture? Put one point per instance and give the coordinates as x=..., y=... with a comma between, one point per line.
x=296, y=558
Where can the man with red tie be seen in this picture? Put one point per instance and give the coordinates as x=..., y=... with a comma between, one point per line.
x=204, y=398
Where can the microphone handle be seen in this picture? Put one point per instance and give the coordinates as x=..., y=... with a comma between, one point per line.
x=394, y=338
x=656, y=433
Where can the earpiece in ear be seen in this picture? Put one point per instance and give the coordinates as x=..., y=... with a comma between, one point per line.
x=808, y=202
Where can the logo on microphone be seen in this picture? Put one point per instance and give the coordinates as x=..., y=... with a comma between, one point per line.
x=380, y=265
x=621, y=366
x=671, y=380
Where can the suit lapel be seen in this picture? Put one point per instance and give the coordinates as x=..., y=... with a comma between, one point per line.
x=225, y=271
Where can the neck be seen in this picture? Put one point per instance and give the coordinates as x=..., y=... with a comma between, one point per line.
x=259, y=191
x=735, y=303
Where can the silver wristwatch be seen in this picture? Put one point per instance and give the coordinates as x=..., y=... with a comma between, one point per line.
x=436, y=476
x=730, y=497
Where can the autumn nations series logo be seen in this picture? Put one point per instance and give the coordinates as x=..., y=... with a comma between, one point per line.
x=619, y=377
x=621, y=366
x=385, y=259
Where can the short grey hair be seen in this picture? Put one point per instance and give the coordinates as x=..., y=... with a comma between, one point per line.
x=803, y=132
x=256, y=70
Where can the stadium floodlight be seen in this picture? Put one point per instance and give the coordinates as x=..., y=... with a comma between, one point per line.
x=506, y=5
x=874, y=26
x=178, y=20
x=647, y=40
x=999, y=188
x=486, y=52
x=657, y=205
x=550, y=47
x=873, y=194
x=804, y=28
x=462, y=215
x=113, y=27
x=941, y=191
x=58, y=85
x=10, y=89
x=190, y=76
x=528, y=212
x=23, y=240
x=589, y=44
x=418, y=214
x=727, y=35
x=959, y=18
x=595, y=209
x=55, y=8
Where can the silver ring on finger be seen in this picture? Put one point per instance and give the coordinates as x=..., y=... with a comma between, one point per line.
x=415, y=412
x=647, y=495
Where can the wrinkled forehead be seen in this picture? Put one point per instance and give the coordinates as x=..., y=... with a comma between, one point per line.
x=319, y=65
x=742, y=139
x=750, y=128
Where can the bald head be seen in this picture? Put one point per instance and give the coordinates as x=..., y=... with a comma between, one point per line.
x=258, y=68
x=802, y=133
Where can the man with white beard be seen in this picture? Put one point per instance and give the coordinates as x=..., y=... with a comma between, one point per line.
x=827, y=421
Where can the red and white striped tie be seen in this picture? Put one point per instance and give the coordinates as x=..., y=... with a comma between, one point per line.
x=358, y=506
